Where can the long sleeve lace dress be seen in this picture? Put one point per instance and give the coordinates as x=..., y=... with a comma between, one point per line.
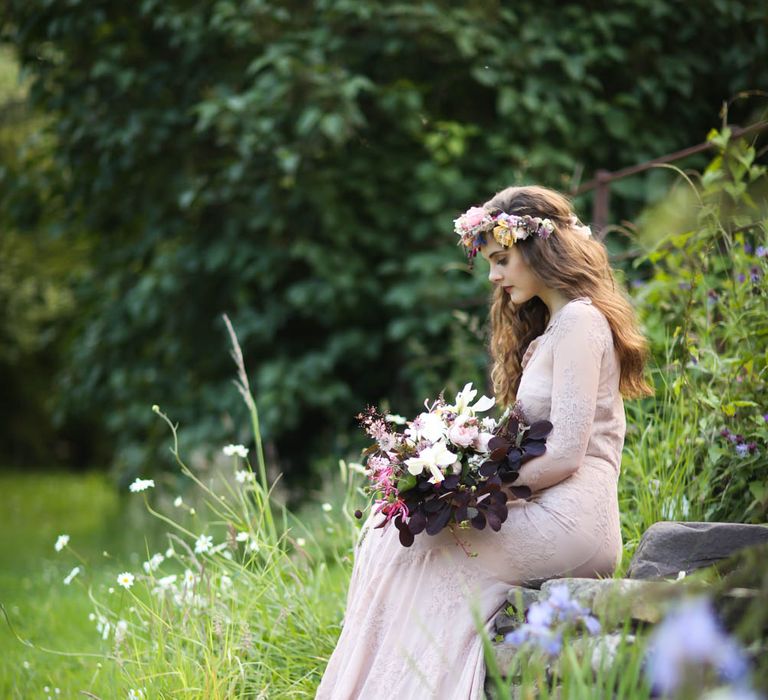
x=409, y=630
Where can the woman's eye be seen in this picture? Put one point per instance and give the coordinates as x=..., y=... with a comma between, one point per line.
x=502, y=261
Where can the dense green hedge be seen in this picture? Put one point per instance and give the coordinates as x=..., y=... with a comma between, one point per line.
x=298, y=166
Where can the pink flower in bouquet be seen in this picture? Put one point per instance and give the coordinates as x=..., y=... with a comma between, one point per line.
x=464, y=431
x=480, y=443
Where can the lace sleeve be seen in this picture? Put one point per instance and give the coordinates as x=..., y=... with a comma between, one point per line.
x=578, y=346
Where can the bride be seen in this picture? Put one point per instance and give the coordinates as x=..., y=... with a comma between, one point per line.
x=565, y=346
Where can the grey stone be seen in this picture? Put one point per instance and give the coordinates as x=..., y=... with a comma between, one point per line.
x=520, y=595
x=583, y=590
x=669, y=547
x=504, y=623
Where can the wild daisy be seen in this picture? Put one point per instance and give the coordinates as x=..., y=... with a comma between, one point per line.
x=71, y=575
x=242, y=476
x=239, y=450
x=327, y=507
x=125, y=580
x=203, y=544
x=153, y=563
x=61, y=542
x=141, y=485
x=178, y=501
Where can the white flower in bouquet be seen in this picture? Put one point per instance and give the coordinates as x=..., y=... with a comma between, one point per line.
x=427, y=426
x=465, y=397
x=431, y=458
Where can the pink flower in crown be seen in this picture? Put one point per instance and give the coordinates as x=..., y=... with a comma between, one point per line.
x=474, y=217
x=464, y=431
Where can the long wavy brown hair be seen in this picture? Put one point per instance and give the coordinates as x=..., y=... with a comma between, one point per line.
x=574, y=266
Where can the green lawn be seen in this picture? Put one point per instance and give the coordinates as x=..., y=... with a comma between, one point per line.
x=38, y=508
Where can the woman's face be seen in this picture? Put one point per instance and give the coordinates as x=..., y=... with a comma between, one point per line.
x=509, y=271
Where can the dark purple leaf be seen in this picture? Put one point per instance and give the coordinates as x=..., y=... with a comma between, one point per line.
x=534, y=448
x=488, y=468
x=513, y=426
x=417, y=522
x=540, y=429
x=521, y=491
x=478, y=522
x=438, y=521
x=406, y=537
x=433, y=505
x=499, y=453
x=494, y=521
x=451, y=482
x=514, y=455
x=496, y=442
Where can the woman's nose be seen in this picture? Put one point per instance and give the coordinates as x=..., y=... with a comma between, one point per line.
x=494, y=275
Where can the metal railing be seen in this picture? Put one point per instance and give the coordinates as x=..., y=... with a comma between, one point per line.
x=601, y=183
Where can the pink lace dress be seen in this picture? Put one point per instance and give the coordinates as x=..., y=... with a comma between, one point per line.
x=409, y=629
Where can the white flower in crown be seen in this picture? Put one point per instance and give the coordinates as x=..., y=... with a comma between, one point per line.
x=431, y=458
x=465, y=397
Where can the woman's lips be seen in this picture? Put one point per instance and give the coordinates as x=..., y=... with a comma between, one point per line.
x=506, y=289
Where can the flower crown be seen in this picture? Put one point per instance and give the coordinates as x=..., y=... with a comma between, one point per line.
x=474, y=224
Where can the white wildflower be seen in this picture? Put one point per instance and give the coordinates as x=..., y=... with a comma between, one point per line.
x=327, y=507
x=61, y=542
x=141, y=485
x=71, y=575
x=178, y=501
x=125, y=580
x=239, y=450
x=242, y=536
x=135, y=694
x=226, y=582
x=242, y=475
x=253, y=545
x=121, y=627
x=300, y=541
x=166, y=582
x=189, y=578
x=203, y=544
x=169, y=552
x=153, y=563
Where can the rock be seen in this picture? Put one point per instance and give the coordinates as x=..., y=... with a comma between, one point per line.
x=669, y=547
x=521, y=598
x=505, y=623
x=641, y=601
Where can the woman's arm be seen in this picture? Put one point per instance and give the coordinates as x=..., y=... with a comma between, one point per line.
x=578, y=347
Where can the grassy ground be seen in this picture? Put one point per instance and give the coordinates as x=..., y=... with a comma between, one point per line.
x=38, y=508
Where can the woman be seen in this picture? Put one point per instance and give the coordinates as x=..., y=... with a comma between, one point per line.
x=565, y=346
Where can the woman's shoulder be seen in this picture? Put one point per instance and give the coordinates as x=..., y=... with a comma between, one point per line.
x=582, y=318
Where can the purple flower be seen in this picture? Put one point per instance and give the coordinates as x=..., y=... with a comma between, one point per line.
x=742, y=450
x=761, y=252
x=725, y=433
x=765, y=417
x=684, y=285
x=691, y=635
x=741, y=277
x=752, y=447
x=638, y=283
x=748, y=248
x=754, y=273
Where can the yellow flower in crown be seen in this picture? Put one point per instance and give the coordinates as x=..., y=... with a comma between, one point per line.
x=502, y=233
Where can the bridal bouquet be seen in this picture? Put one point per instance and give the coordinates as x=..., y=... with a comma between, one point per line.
x=448, y=465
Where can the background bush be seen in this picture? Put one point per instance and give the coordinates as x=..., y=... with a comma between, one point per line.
x=298, y=167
